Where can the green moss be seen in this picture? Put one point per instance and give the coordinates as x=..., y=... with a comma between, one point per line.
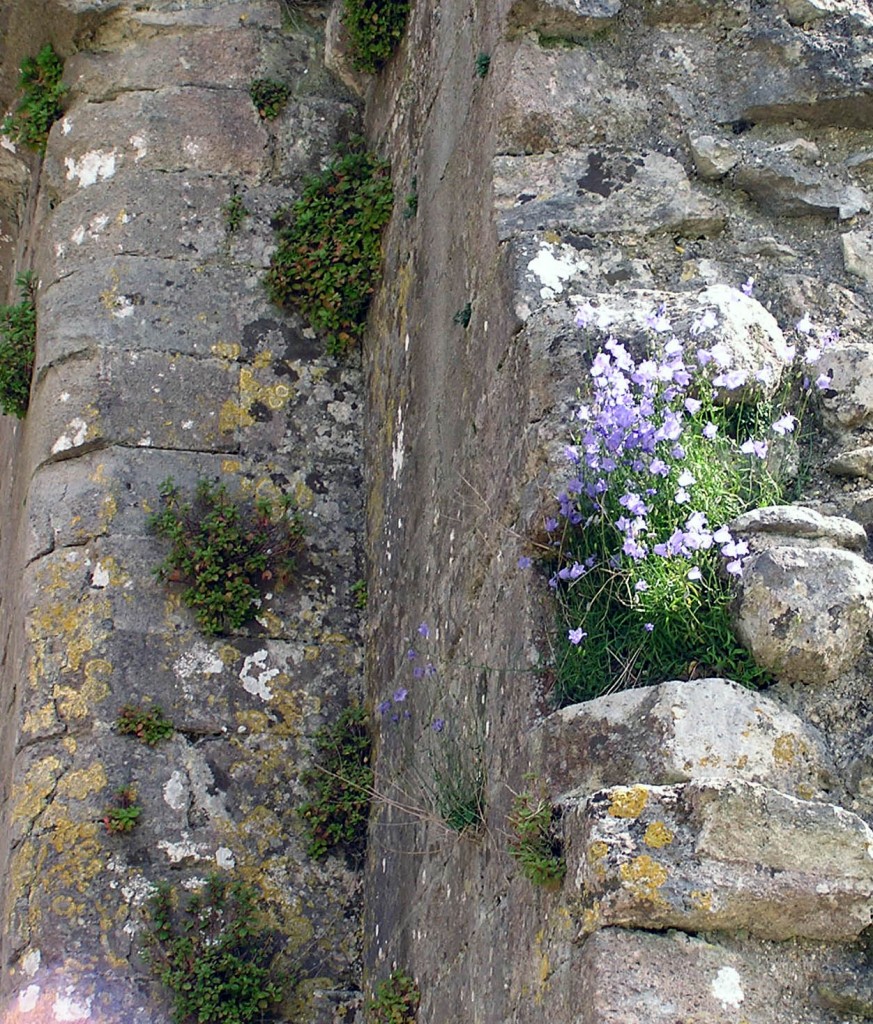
x=17, y=347
x=534, y=841
x=269, y=97
x=147, y=723
x=40, y=103
x=395, y=1000
x=375, y=27
x=329, y=247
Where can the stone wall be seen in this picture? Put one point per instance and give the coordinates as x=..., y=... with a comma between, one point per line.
x=624, y=155
x=158, y=355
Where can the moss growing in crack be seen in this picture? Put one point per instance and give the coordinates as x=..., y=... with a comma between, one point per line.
x=395, y=1000
x=17, y=347
x=341, y=783
x=375, y=27
x=269, y=97
x=225, y=552
x=40, y=103
x=124, y=813
x=330, y=247
x=534, y=840
x=210, y=952
x=146, y=722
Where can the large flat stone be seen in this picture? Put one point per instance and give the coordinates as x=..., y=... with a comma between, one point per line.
x=678, y=731
x=720, y=855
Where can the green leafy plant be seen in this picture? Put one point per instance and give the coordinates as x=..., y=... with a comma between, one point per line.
x=410, y=208
x=358, y=591
x=234, y=213
x=146, y=722
x=395, y=1000
x=124, y=813
x=341, y=783
x=225, y=552
x=17, y=347
x=269, y=97
x=40, y=104
x=483, y=63
x=374, y=28
x=210, y=952
x=534, y=840
x=330, y=250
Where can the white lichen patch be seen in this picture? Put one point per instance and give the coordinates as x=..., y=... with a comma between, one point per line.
x=726, y=987
x=99, y=577
x=397, y=453
x=28, y=998
x=140, y=148
x=30, y=962
x=181, y=851
x=255, y=676
x=552, y=270
x=176, y=791
x=224, y=858
x=67, y=1007
x=77, y=431
x=96, y=165
x=199, y=660
x=66, y=125
x=123, y=307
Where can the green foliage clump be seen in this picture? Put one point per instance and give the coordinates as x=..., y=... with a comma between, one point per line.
x=395, y=1000
x=269, y=97
x=341, y=782
x=124, y=814
x=40, y=104
x=330, y=247
x=483, y=64
x=375, y=27
x=358, y=591
x=17, y=347
x=147, y=723
x=224, y=551
x=534, y=841
x=463, y=316
x=211, y=954
x=234, y=212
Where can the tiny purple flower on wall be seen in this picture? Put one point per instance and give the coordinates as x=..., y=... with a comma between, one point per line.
x=585, y=315
x=411, y=655
x=400, y=695
x=551, y=524
x=383, y=707
x=785, y=424
x=438, y=724
x=748, y=287
x=418, y=672
x=524, y=562
x=710, y=431
x=692, y=406
x=824, y=382
x=649, y=626
x=721, y=354
x=694, y=573
x=752, y=447
x=576, y=636
x=641, y=586
x=730, y=379
x=803, y=325
x=424, y=630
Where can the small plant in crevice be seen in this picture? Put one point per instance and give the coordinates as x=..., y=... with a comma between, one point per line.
x=395, y=1000
x=124, y=813
x=234, y=212
x=225, y=552
x=329, y=248
x=374, y=28
x=209, y=949
x=269, y=97
x=40, y=103
x=483, y=64
x=17, y=348
x=341, y=786
x=463, y=316
x=534, y=840
x=146, y=722
x=667, y=449
x=446, y=776
x=358, y=590
x=410, y=207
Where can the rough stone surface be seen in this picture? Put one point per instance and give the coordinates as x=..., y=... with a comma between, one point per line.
x=712, y=157
x=805, y=613
x=855, y=463
x=848, y=403
x=798, y=523
x=720, y=855
x=702, y=728
x=858, y=254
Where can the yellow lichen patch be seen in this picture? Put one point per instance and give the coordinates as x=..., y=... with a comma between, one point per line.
x=78, y=703
x=226, y=350
x=590, y=920
x=108, y=509
x=304, y=497
x=262, y=360
x=786, y=748
x=628, y=803
x=31, y=797
x=78, y=785
x=233, y=416
x=311, y=653
x=278, y=910
x=709, y=761
x=643, y=877
x=545, y=968
x=596, y=852
x=273, y=396
x=702, y=900
x=109, y=297
x=230, y=466
x=552, y=237
x=69, y=615
x=657, y=835
x=805, y=791
x=254, y=722
x=228, y=654
x=41, y=721
x=271, y=623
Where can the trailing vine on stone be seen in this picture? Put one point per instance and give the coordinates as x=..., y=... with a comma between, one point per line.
x=17, y=348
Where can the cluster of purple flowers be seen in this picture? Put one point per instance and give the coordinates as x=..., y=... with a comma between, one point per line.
x=420, y=669
x=632, y=485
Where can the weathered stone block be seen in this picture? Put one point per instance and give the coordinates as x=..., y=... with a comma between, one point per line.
x=562, y=19
x=805, y=612
x=678, y=731
x=849, y=400
x=773, y=524
x=712, y=157
x=714, y=855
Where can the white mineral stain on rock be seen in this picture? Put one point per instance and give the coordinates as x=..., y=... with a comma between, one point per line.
x=397, y=453
x=28, y=998
x=139, y=144
x=30, y=962
x=7, y=143
x=78, y=236
x=99, y=577
x=123, y=307
x=200, y=659
x=177, y=852
x=67, y=1008
x=224, y=858
x=92, y=167
x=176, y=791
x=552, y=271
x=726, y=987
x=66, y=125
x=77, y=430
x=256, y=682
